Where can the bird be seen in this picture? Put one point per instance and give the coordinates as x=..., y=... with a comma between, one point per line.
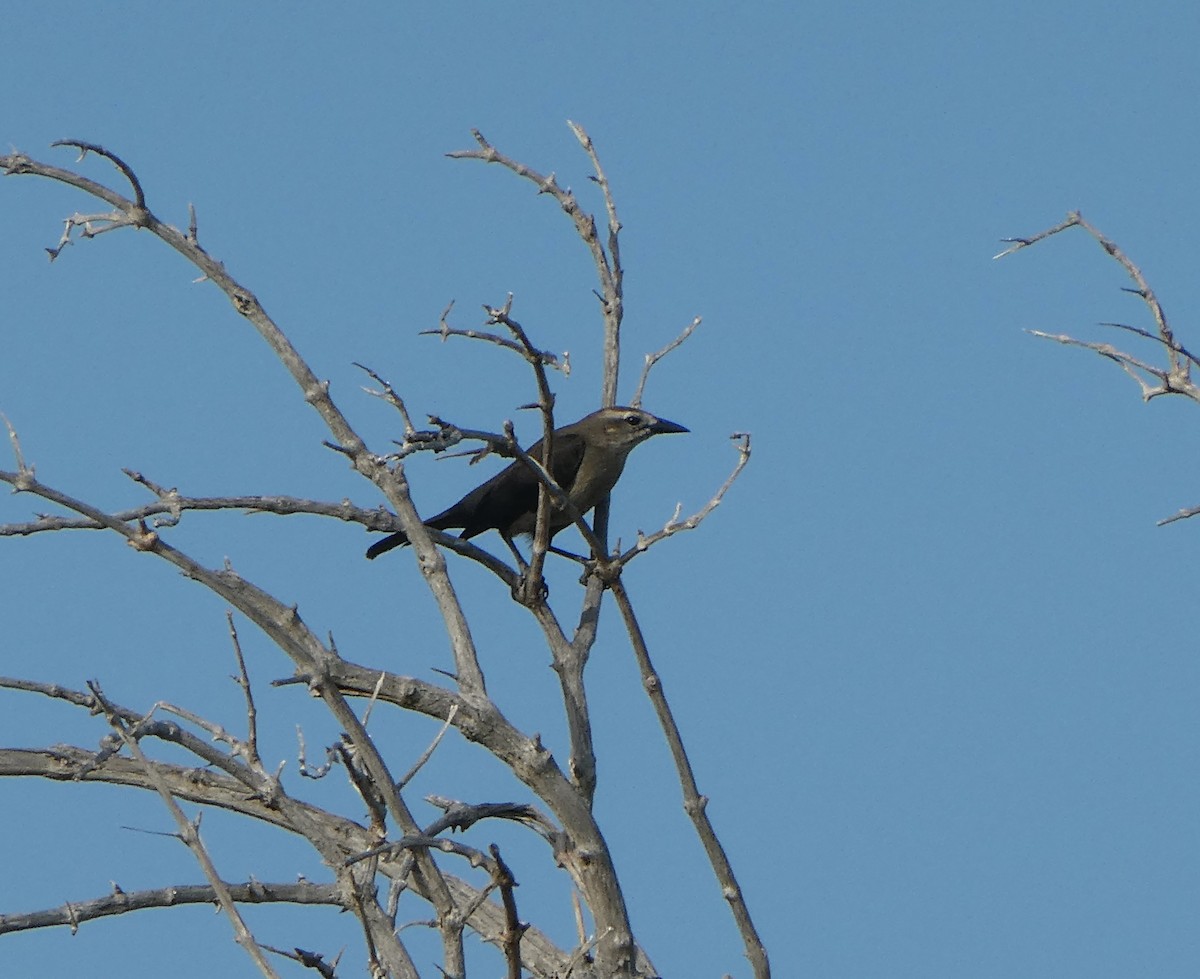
x=588, y=458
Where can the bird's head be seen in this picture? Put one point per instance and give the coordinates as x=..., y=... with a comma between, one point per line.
x=623, y=428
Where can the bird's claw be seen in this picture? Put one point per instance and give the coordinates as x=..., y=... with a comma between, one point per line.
x=607, y=570
x=530, y=592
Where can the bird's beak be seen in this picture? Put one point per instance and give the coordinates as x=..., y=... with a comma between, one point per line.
x=663, y=427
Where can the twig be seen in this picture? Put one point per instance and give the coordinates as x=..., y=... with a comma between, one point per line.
x=520, y=345
x=15, y=441
x=428, y=752
x=310, y=960
x=654, y=358
x=331, y=758
x=675, y=525
x=609, y=271
x=532, y=590
x=1016, y=244
x=390, y=396
x=1170, y=383
x=1185, y=514
x=243, y=681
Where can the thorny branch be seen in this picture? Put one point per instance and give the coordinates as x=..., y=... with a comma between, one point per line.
x=74, y=913
x=332, y=679
x=1153, y=380
x=1175, y=378
x=202, y=786
x=577, y=844
x=189, y=833
x=316, y=392
x=675, y=525
x=605, y=573
x=531, y=587
x=607, y=262
x=520, y=345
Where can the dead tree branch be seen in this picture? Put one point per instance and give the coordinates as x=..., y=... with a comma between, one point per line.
x=1152, y=380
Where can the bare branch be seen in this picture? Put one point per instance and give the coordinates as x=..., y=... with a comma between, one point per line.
x=608, y=271
x=1016, y=244
x=310, y=960
x=694, y=804
x=391, y=482
x=1169, y=383
x=189, y=833
x=654, y=358
x=126, y=170
x=1150, y=336
x=1176, y=378
x=511, y=942
x=532, y=590
x=428, y=752
x=15, y=442
x=1181, y=515
x=243, y=681
x=610, y=205
x=74, y=913
x=390, y=396
x=72, y=764
x=675, y=525
x=170, y=507
x=521, y=345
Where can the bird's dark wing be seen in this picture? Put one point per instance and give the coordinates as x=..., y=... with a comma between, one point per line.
x=568, y=457
x=511, y=494
x=508, y=501
x=494, y=504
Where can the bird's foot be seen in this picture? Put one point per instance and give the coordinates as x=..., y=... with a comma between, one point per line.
x=607, y=570
x=529, y=591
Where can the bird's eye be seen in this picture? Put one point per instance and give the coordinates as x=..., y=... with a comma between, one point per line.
x=633, y=419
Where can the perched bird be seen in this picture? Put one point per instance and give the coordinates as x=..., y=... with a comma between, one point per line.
x=588, y=458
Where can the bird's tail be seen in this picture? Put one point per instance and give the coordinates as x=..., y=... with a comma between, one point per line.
x=446, y=520
x=397, y=539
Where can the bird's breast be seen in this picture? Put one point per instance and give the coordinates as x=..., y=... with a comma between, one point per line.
x=595, y=478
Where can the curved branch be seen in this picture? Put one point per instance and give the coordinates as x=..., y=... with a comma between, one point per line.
x=126, y=171
x=675, y=525
x=316, y=392
x=1177, y=376
x=74, y=764
x=478, y=719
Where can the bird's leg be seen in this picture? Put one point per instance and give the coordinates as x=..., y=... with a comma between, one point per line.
x=521, y=565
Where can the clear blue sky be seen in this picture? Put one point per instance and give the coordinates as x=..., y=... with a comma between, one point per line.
x=932, y=656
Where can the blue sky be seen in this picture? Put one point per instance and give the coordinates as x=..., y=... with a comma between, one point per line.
x=932, y=655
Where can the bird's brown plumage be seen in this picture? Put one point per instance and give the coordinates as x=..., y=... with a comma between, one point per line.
x=588, y=459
